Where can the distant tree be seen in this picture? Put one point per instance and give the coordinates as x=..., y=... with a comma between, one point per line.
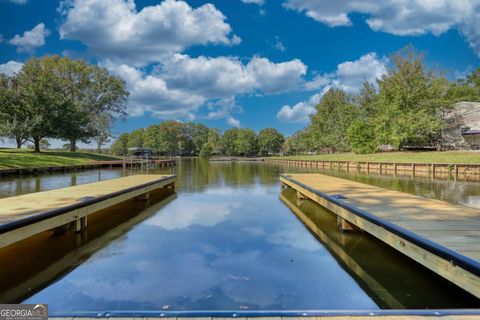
x=170, y=136
x=120, y=146
x=246, y=143
x=135, y=138
x=270, y=141
x=229, y=139
x=151, y=137
x=102, y=125
x=214, y=141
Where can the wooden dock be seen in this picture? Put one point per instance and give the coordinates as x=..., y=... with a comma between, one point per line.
x=158, y=163
x=441, y=236
x=27, y=215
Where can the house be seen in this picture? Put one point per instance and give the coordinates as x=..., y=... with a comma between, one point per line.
x=463, y=126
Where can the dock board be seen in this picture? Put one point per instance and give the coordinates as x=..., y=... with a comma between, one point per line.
x=443, y=237
x=26, y=215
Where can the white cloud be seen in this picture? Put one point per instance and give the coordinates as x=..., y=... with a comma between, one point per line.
x=348, y=76
x=399, y=17
x=258, y=2
x=115, y=29
x=31, y=39
x=150, y=93
x=19, y=1
x=227, y=76
x=233, y=122
x=181, y=85
x=11, y=67
x=299, y=113
x=181, y=216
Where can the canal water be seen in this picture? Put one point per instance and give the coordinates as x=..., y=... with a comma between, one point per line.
x=228, y=239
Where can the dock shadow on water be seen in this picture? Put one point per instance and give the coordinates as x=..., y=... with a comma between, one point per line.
x=224, y=241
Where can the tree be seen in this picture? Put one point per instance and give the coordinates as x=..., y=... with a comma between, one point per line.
x=228, y=141
x=333, y=116
x=102, y=125
x=41, y=100
x=214, y=140
x=246, y=143
x=120, y=146
x=410, y=99
x=91, y=92
x=135, y=138
x=170, y=135
x=270, y=141
x=13, y=124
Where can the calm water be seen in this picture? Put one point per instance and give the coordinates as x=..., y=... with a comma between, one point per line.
x=228, y=239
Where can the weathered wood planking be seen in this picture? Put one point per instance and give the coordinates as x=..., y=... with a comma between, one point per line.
x=426, y=218
x=26, y=215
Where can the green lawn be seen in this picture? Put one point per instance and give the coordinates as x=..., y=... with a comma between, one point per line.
x=13, y=158
x=424, y=157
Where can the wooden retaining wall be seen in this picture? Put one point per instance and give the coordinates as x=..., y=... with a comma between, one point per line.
x=459, y=171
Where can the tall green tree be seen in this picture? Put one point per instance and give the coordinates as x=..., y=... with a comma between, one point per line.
x=410, y=98
x=229, y=139
x=334, y=115
x=246, y=143
x=135, y=138
x=270, y=141
x=14, y=124
x=120, y=146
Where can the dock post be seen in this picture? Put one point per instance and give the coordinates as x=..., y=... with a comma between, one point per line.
x=343, y=225
x=81, y=224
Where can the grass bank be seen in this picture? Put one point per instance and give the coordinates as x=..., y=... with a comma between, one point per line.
x=470, y=157
x=14, y=158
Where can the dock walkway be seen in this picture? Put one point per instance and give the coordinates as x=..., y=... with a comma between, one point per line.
x=443, y=237
x=26, y=215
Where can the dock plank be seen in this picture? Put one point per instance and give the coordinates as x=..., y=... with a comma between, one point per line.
x=421, y=216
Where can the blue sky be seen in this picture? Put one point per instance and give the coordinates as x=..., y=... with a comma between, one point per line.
x=248, y=63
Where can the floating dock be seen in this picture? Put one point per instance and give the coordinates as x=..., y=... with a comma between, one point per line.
x=27, y=215
x=441, y=236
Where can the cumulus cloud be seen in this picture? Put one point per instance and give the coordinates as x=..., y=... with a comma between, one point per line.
x=299, y=113
x=30, y=40
x=233, y=122
x=227, y=76
x=115, y=29
x=150, y=93
x=349, y=76
x=182, y=84
x=399, y=17
x=258, y=2
x=10, y=68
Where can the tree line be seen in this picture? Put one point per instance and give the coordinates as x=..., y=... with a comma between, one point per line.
x=408, y=106
x=57, y=97
x=172, y=138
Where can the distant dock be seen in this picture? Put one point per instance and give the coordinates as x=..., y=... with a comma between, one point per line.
x=27, y=215
x=441, y=236
x=159, y=163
